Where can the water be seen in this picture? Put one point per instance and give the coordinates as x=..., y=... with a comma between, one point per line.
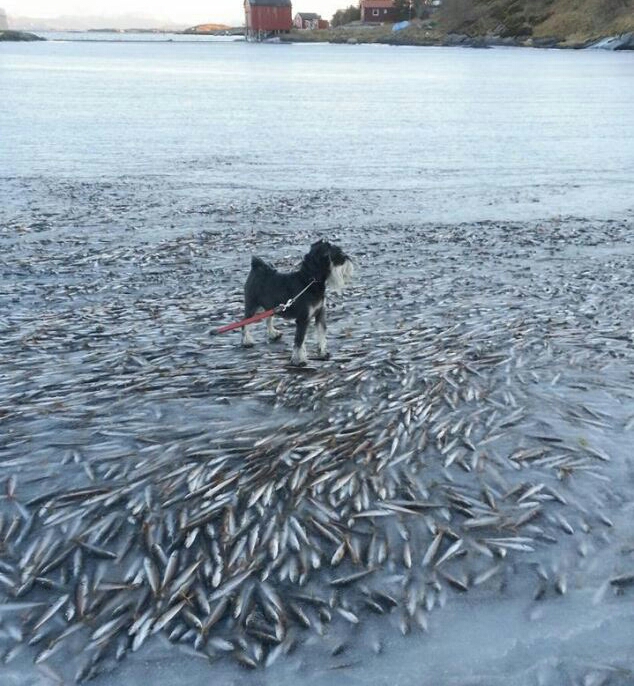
x=452, y=133
x=133, y=37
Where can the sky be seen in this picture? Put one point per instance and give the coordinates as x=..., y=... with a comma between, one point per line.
x=179, y=11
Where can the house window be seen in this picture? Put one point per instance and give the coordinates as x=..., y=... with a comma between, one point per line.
x=375, y=13
x=384, y=11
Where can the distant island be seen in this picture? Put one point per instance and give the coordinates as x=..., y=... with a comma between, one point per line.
x=215, y=30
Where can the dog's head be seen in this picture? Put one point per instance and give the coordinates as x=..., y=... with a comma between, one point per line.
x=329, y=264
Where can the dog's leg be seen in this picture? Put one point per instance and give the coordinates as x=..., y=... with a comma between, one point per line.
x=273, y=333
x=250, y=308
x=299, y=351
x=320, y=329
x=247, y=337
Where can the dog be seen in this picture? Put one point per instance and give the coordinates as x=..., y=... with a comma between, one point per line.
x=325, y=265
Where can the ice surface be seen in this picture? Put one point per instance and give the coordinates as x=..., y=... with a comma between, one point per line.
x=463, y=255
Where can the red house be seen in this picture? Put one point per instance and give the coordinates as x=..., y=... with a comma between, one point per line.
x=378, y=11
x=264, y=18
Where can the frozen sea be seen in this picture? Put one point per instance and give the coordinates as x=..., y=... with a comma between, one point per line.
x=483, y=188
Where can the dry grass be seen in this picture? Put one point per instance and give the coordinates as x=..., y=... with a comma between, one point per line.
x=361, y=34
x=588, y=19
x=580, y=20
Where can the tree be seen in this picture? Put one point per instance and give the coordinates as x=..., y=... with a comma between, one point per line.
x=404, y=9
x=342, y=17
x=411, y=9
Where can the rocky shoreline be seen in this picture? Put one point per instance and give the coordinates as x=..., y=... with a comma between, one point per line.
x=415, y=37
x=613, y=43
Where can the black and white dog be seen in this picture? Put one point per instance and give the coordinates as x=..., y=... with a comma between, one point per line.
x=266, y=288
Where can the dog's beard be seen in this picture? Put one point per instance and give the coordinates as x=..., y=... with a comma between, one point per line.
x=340, y=276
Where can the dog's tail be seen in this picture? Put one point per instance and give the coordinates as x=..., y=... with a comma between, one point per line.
x=257, y=263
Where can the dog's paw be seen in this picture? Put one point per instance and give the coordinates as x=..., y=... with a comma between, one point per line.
x=275, y=337
x=247, y=344
x=323, y=356
x=298, y=358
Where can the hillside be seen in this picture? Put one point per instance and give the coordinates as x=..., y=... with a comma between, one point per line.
x=568, y=21
x=480, y=23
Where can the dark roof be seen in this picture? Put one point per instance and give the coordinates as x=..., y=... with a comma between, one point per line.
x=270, y=3
x=308, y=15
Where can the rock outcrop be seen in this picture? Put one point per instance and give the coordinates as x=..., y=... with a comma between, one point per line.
x=19, y=36
x=623, y=42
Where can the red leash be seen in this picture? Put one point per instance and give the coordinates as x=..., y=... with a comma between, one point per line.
x=262, y=315
x=244, y=322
